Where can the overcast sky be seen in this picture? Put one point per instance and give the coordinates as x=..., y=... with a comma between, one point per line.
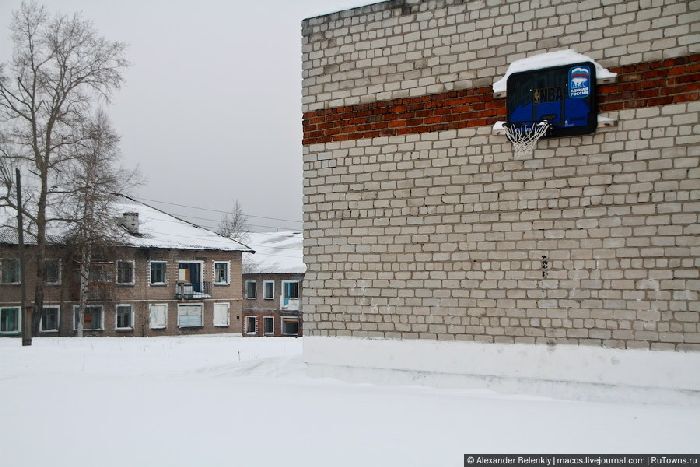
x=211, y=107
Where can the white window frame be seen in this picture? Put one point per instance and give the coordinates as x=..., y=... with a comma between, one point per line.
x=255, y=288
x=282, y=296
x=265, y=333
x=265, y=290
x=149, y=272
x=58, y=319
x=19, y=270
x=228, y=314
x=201, y=309
x=228, y=273
x=150, y=323
x=102, y=317
x=60, y=273
x=116, y=316
x=282, y=326
x=133, y=271
x=19, y=320
x=254, y=332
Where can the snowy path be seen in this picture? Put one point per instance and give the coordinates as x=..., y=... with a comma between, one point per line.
x=210, y=401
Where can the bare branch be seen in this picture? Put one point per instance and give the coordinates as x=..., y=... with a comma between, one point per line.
x=234, y=224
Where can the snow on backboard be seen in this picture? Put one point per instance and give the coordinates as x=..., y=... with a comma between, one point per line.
x=547, y=60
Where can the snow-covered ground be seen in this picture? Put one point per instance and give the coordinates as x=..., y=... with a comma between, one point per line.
x=226, y=401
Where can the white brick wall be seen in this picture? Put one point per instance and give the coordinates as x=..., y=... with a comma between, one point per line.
x=593, y=240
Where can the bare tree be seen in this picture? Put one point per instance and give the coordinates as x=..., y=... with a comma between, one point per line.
x=234, y=224
x=248, y=265
x=94, y=180
x=59, y=69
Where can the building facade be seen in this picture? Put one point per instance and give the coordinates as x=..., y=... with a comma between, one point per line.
x=272, y=285
x=421, y=224
x=166, y=277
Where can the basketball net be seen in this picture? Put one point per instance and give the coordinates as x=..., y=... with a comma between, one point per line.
x=525, y=138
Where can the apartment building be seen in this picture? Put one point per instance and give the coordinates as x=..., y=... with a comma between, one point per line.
x=272, y=285
x=165, y=276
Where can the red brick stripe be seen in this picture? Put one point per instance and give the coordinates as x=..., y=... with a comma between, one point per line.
x=639, y=85
x=652, y=84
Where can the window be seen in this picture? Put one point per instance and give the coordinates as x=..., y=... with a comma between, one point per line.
x=221, y=314
x=9, y=320
x=157, y=272
x=92, y=317
x=221, y=272
x=291, y=290
x=9, y=271
x=268, y=290
x=49, y=318
x=290, y=327
x=251, y=325
x=100, y=272
x=189, y=316
x=250, y=290
x=53, y=271
x=158, y=315
x=125, y=272
x=191, y=272
x=125, y=317
x=269, y=325
x=290, y=295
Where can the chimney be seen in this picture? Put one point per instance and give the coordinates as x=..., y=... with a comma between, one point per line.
x=130, y=221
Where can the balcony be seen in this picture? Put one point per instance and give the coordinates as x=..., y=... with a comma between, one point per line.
x=289, y=304
x=96, y=291
x=192, y=291
x=101, y=292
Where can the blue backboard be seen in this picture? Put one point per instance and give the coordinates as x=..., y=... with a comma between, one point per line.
x=563, y=95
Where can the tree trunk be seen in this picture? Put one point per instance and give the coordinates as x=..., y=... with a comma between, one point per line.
x=86, y=258
x=24, y=309
x=40, y=261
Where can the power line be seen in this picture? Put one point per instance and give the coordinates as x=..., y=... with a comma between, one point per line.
x=205, y=219
x=220, y=211
x=216, y=222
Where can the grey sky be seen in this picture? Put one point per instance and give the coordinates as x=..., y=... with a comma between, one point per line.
x=210, y=110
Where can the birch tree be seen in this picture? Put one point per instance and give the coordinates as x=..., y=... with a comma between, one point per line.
x=234, y=224
x=94, y=180
x=60, y=68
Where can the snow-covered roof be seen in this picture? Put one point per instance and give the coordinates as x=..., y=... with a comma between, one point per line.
x=550, y=59
x=55, y=231
x=156, y=229
x=275, y=253
x=7, y=233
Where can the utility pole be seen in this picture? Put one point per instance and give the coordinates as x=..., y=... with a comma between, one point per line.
x=24, y=310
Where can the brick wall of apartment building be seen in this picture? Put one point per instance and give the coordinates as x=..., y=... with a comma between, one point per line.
x=261, y=307
x=420, y=223
x=139, y=295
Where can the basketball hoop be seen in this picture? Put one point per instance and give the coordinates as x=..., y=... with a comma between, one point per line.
x=525, y=137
